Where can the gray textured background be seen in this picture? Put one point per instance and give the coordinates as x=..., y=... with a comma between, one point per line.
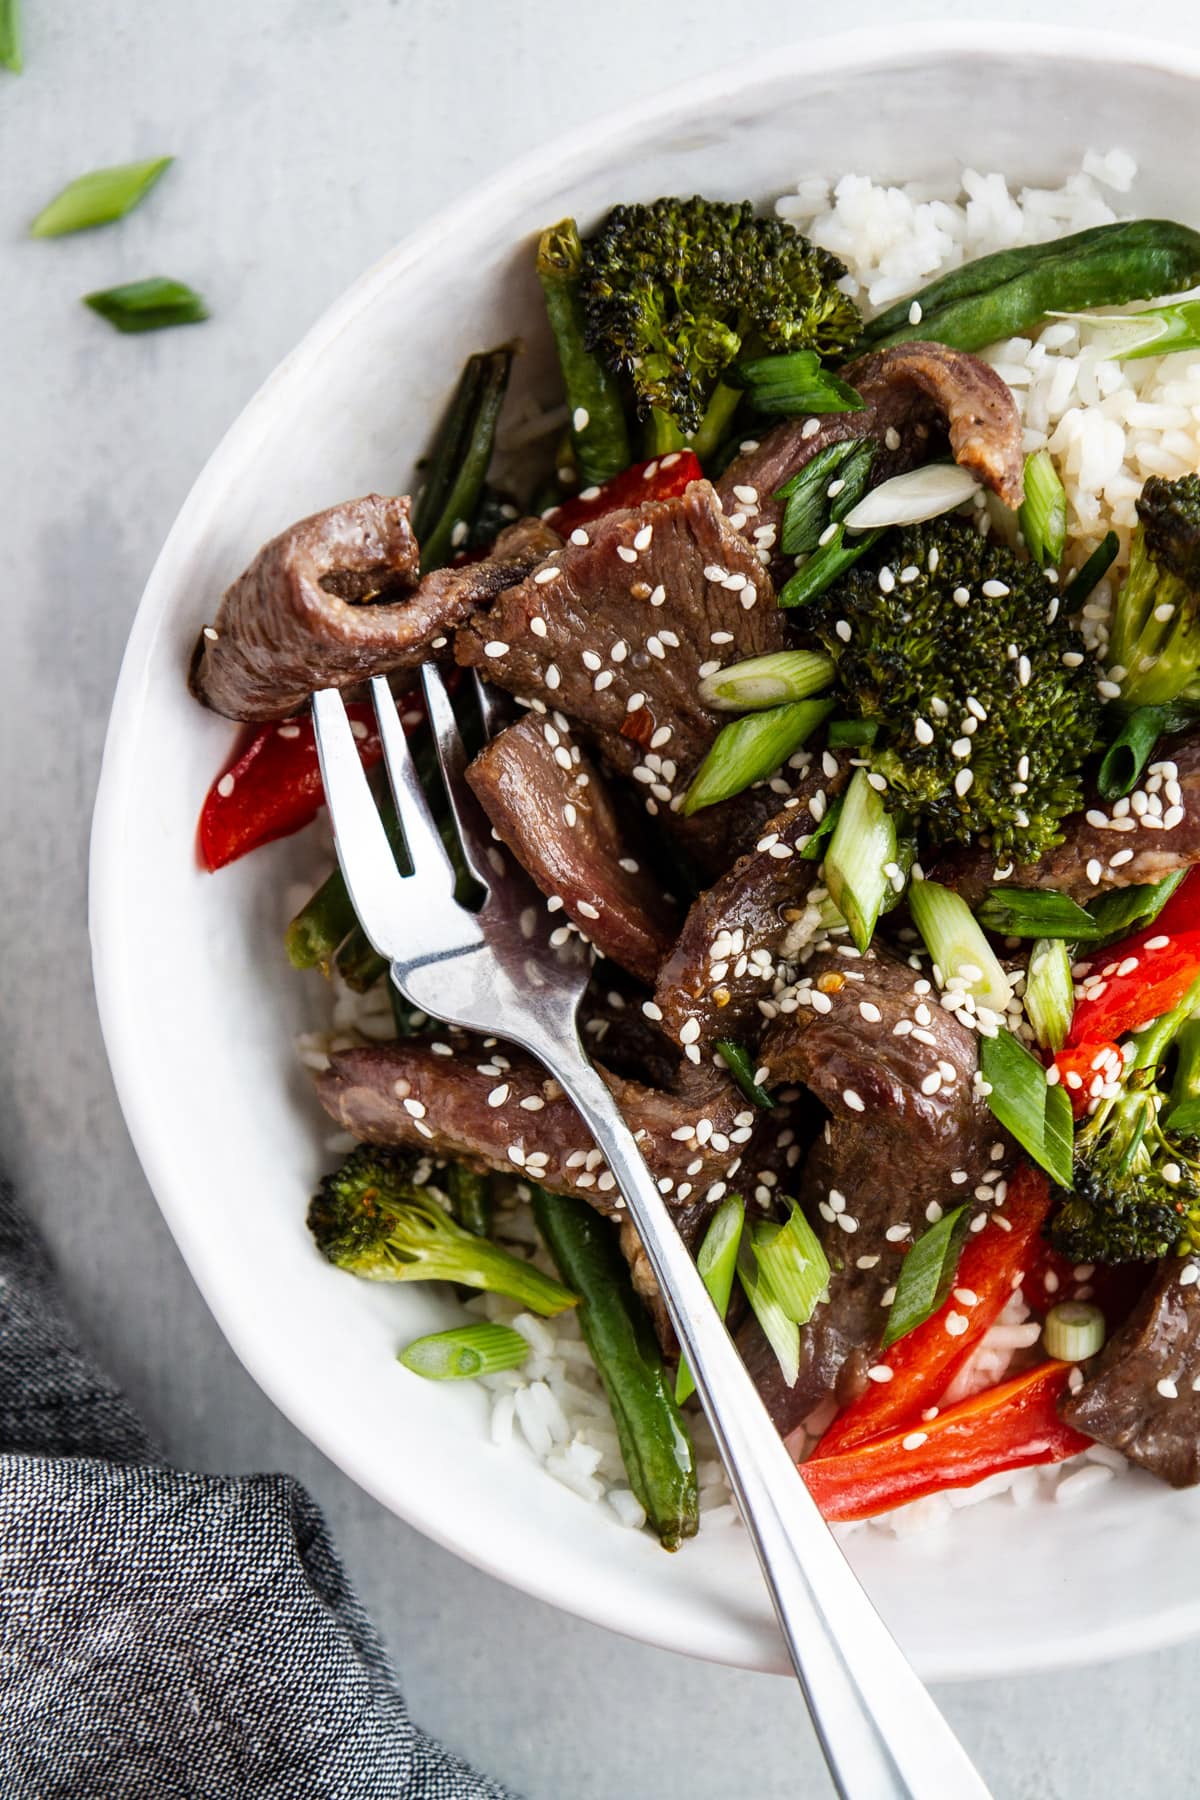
x=311, y=135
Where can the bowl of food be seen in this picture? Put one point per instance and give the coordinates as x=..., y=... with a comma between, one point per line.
x=827, y=547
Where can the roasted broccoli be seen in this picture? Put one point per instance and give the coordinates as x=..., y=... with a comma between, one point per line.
x=372, y=1217
x=983, y=696
x=676, y=291
x=1154, y=637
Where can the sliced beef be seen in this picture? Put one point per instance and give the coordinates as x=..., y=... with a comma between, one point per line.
x=335, y=599
x=915, y=395
x=550, y=804
x=496, y=1108
x=1142, y=1396
x=1162, y=830
x=613, y=632
x=867, y=1039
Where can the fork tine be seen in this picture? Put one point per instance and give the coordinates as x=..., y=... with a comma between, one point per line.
x=367, y=862
x=491, y=706
x=474, y=832
x=432, y=879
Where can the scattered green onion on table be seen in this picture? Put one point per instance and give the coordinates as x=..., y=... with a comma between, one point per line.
x=10, y=36
x=155, y=304
x=99, y=197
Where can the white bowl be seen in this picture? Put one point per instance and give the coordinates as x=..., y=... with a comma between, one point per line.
x=199, y=1007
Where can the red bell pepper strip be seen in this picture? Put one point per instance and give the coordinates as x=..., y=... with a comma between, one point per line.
x=660, y=479
x=1182, y=911
x=273, y=786
x=924, y=1362
x=1085, y=1068
x=1007, y=1427
x=1133, y=982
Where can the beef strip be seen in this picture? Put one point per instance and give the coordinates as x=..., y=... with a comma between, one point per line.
x=613, y=631
x=889, y=1150
x=550, y=804
x=1122, y=1402
x=914, y=393
x=1082, y=866
x=497, y=1109
x=335, y=599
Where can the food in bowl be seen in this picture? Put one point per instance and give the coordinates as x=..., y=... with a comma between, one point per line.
x=851, y=654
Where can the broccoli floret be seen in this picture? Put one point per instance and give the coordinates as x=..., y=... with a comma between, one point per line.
x=1154, y=638
x=374, y=1218
x=955, y=649
x=1136, y=1189
x=675, y=291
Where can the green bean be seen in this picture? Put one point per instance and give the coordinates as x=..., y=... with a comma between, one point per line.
x=598, y=431
x=470, y=1198
x=323, y=924
x=1092, y=573
x=1003, y=295
x=742, y=1067
x=461, y=455
x=655, y=1445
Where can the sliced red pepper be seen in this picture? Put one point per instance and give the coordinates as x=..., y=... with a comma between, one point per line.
x=923, y=1363
x=660, y=479
x=273, y=786
x=1084, y=1068
x=1182, y=911
x=1133, y=982
x=1007, y=1427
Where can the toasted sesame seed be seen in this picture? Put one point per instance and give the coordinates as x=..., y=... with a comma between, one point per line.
x=1167, y=1388
x=914, y=1440
x=853, y=1100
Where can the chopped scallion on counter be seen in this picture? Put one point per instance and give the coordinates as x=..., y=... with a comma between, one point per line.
x=99, y=197
x=151, y=305
x=10, y=36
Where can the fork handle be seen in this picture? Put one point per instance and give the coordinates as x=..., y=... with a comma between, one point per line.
x=882, y=1735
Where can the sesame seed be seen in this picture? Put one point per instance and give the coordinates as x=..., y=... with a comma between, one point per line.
x=588, y=910
x=225, y=786
x=879, y=1371
x=915, y=314
x=1094, y=872
x=211, y=634
x=962, y=782
x=853, y=1100
x=537, y=625
x=580, y=536
x=843, y=631
x=626, y=554
x=923, y=731
x=996, y=590
x=1167, y=1388
x=635, y=703
x=956, y=1324
x=689, y=1031
x=498, y=1095
x=915, y=1439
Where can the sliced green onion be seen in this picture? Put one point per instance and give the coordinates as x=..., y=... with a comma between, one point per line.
x=782, y=1333
x=863, y=845
x=954, y=938
x=1038, y=1115
x=793, y=1264
x=741, y=1066
x=151, y=305
x=810, y=505
x=469, y=1192
x=1155, y=331
x=717, y=1263
x=824, y=567
x=99, y=197
x=1074, y=1331
x=849, y=734
x=793, y=382
x=1043, y=514
x=1091, y=573
x=1049, y=993
x=926, y=1275
x=814, y=850
x=1130, y=751
x=1184, y=1116
x=1184, y=1119
x=1033, y=913
x=465, y=1352
x=1116, y=913
x=750, y=749
x=763, y=681
x=462, y=454
x=907, y=499
x=10, y=36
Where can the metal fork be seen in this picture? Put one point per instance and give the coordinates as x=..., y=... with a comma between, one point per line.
x=496, y=971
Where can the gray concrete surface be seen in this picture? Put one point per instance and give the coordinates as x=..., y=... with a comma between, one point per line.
x=312, y=134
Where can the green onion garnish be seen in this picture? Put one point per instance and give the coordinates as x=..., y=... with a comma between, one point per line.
x=10, y=36
x=1130, y=751
x=824, y=567
x=1184, y=1114
x=814, y=850
x=1049, y=994
x=810, y=507
x=1033, y=913
x=782, y=1333
x=741, y=1066
x=461, y=455
x=465, y=1352
x=793, y=1264
x=1043, y=514
x=793, y=382
x=1074, y=1330
x=861, y=851
x=99, y=197
x=1038, y=1115
x=717, y=1262
x=150, y=305
x=763, y=681
x=1117, y=912
x=924, y=493
x=1155, y=331
x=851, y=734
x=748, y=750
x=926, y=1275
x=962, y=956
x=1091, y=573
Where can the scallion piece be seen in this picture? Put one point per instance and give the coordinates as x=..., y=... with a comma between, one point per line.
x=717, y=1263
x=955, y=940
x=748, y=750
x=1116, y=913
x=793, y=382
x=1033, y=913
x=763, y=681
x=782, y=1333
x=99, y=197
x=10, y=36
x=465, y=1352
x=810, y=506
x=740, y=1064
x=1038, y=1115
x=1043, y=514
x=1130, y=751
x=926, y=1275
x=814, y=850
x=824, y=567
x=461, y=456
x=1074, y=1331
x=1091, y=573
x=861, y=848
x=851, y=734
x=155, y=304
x=923, y=493
x=794, y=1265
x=1049, y=993
x=1155, y=331
x=1184, y=1115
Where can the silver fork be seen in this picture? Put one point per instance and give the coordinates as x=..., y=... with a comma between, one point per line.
x=496, y=971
